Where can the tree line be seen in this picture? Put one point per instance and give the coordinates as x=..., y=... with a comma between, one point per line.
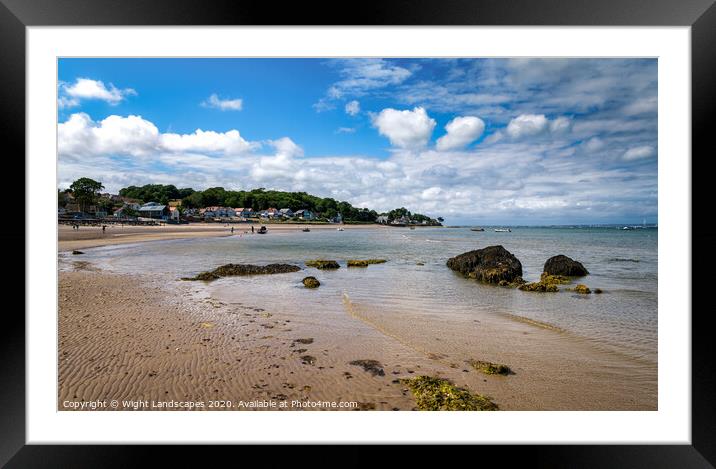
x=257, y=199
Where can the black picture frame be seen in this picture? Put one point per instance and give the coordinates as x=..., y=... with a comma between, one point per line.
x=700, y=15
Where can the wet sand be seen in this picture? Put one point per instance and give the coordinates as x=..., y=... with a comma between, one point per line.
x=92, y=236
x=139, y=338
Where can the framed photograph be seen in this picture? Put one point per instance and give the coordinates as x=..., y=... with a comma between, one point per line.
x=462, y=223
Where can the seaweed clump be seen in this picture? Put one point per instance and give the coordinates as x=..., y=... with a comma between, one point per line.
x=490, y=368
x=582, y=289
x=432, y=393
x=364, y=262
x=323, y=264
x=539, y=287
x=311, y=282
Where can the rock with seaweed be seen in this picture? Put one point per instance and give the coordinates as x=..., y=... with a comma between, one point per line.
x=205, y=276
x=580, y=288
x=75, y=252
x=598, y=291
x=540, y=287
x=490, y=368
x=373, y=367
x=364, y=262
x=554, y=279
x=490, y=265
x=229, y=270
x=563, y=265
x=311, y=282
x=323, y=264
x=433, y=393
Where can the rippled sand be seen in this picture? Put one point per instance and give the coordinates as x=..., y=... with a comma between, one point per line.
x=135, y=337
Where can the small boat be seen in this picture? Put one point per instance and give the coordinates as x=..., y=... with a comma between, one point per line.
x=262, y=230
x=503, y=230
x=412, y=227
x=306, y=230
x=340, y=229
x=477, y=229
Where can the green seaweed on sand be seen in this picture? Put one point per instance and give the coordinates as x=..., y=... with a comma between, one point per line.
x=364, y=262
x=323, y=264
x=432, y=393
x=490, y=368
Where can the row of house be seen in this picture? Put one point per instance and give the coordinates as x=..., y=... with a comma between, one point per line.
x=159, y=211
x=271, y=213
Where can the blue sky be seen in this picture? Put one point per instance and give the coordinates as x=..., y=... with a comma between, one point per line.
x=523, y=141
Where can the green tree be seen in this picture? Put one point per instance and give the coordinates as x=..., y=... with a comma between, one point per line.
x=85, y=191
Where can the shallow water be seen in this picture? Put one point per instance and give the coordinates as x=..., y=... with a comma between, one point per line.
x=622, y=263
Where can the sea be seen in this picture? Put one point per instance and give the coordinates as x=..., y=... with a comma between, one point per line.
x=415, y=282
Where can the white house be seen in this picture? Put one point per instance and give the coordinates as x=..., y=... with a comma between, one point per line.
x=154, y=210
x=244, y=212
x=305, y=214
x=174, y=213
x=218, y=212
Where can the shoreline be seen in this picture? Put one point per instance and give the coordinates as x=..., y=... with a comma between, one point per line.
x=92, y=236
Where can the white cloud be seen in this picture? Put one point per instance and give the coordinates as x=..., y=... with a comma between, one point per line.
x=560, y=125
x=223, y=104
x=461, y=131
x=527, y=125
x=135, y=136
x=637, y=153
x=70, y=95
x=594, y=144
x=405, y=129
x=534, y=125
x=361, y=76
x=345, y=130
x=229, y=142
x=353, y=108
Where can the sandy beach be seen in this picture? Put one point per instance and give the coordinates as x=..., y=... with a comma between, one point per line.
x=137, y=337
x=92, y=236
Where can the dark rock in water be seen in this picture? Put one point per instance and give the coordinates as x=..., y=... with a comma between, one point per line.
x=598, y=290
x=371, y=366
x=244, y=269
x=490, y=265
x=323, y=264
x=77, y=252
x=249, y=269
x=311, y=282
x=563, y=265
x=206, y=276
x=364, y=262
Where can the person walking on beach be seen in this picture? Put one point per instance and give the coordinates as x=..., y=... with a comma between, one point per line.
x=252, y=228
x=104, y=228
x=232, y=230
